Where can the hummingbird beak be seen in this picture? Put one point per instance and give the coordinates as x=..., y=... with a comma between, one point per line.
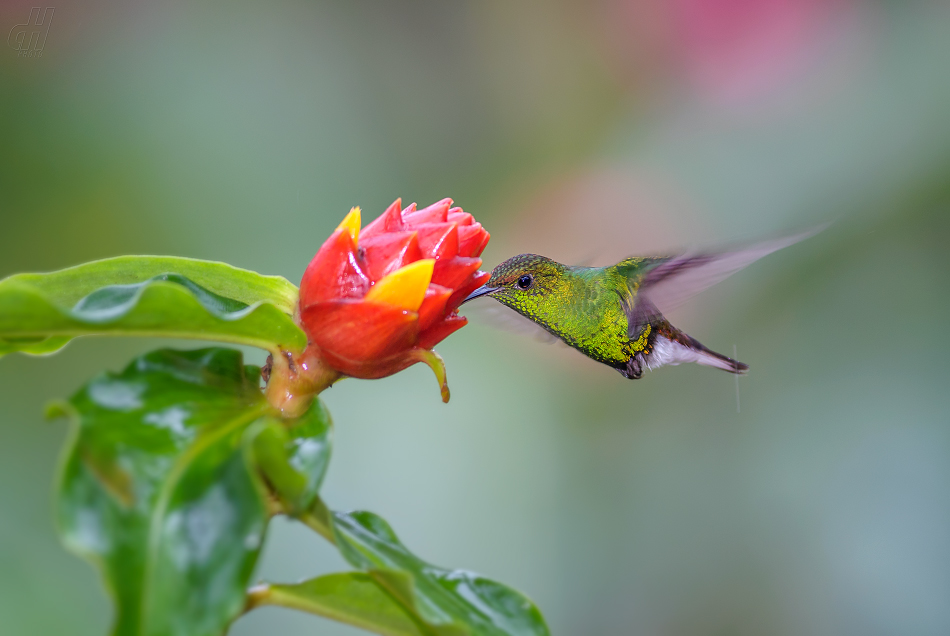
x=481, y=291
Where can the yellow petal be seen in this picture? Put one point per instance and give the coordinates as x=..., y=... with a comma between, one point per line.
x=351, y=223
x=406, y=287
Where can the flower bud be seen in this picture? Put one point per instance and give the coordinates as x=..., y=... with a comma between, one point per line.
x=375, y=300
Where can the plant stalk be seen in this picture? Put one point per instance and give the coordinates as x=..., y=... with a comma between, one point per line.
x=295, y=380
x=318, y=519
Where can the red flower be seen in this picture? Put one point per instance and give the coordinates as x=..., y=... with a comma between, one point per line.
x=375, y=302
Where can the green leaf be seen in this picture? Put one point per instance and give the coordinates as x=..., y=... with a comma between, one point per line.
x=293, y=458
x=158, y=488
x=67, y=286
x=439, y=602
x=349, y=597
x=148, y=296
x=448, y=602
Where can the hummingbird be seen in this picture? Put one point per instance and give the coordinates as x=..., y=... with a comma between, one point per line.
x=614, y=314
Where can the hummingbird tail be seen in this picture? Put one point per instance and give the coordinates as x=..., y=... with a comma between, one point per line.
x=710, y=358
x=684, y=348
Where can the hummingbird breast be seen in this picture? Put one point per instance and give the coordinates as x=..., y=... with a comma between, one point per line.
x=593, y=320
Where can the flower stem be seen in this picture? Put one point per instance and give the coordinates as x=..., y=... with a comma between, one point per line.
x=318, y=519
x=295, y=380
x=257, y=596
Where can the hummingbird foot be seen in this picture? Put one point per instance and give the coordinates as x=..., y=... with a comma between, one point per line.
x=634, y=367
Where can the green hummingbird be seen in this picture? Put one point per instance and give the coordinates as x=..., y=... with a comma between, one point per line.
x=614, y=314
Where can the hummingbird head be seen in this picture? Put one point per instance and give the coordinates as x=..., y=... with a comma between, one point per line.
x=527, y=283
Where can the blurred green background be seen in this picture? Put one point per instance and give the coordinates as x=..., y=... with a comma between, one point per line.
x=585, y=131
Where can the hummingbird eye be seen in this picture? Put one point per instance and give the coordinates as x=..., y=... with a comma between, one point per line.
x=525, y=281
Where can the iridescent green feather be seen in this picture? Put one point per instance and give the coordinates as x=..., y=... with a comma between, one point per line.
x=592, y=308
x=583, y=306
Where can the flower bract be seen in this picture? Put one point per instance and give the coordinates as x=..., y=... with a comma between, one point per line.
x=375, y=300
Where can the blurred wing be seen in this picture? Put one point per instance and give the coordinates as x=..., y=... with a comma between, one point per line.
x=672, y=282
x=487, y=311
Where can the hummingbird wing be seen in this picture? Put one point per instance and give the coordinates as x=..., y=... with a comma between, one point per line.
x=663, y=284
x=672, y=281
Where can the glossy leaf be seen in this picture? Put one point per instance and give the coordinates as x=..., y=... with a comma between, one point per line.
x=67, y=286
x=349, y=597
x=148, y=296
x=440, y=602
x=293, y=457
x=159, y=487
x=446, y=601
